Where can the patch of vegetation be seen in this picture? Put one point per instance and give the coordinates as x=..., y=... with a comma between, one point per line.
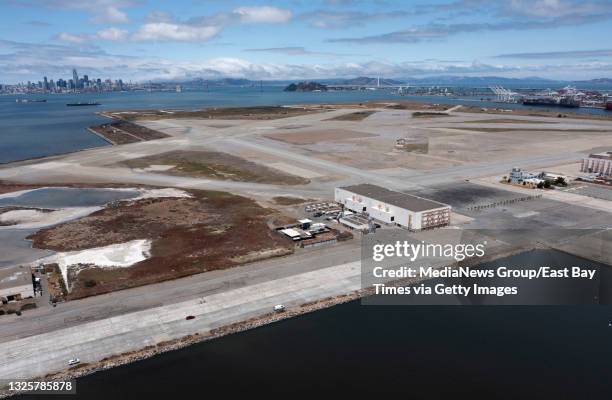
x=290, y=201
x=427, y=114
x=496, y=130
x=506, y=121
x=249, y=113
x=419, y=148
x=185, y=234
x=356, y=116
x=216, y=165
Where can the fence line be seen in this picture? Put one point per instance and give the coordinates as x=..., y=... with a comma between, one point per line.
x=504, y=202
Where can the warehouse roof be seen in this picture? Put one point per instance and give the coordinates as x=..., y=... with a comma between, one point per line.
x=402, y=200
x=606, y=155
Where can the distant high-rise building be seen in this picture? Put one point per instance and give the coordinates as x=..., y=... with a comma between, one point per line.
x=75, y=77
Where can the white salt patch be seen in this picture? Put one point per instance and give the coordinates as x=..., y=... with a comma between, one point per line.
x=160, y=193
x=527, y=214
x=114, y=256
x=158, y=168
x=51, y=165
x=15, y=194
x=34, y=219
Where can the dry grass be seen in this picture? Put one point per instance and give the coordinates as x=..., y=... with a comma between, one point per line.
x=212, y=230
x=495, y=130
x=507, y=121
x=290, y=201
x=250, y=113
x=356, y=116
x=124, y=132
x=9, y=187
x=531, y=113
x=216, y=165
x=424, y=114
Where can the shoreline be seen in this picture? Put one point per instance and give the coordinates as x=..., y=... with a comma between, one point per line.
x=121, y=359
x=466, y=108
x=116, y=360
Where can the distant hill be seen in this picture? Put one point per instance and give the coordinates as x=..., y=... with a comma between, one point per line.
x=219, y=82
x=607, y=82
x=443, y=80
x=367, y=81
x=478, y=80
x=305, y=87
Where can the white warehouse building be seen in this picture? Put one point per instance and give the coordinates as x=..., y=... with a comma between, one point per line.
x=600, y=163
x=390, y=207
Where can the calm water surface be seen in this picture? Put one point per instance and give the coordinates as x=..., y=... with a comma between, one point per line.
x=67, y=197
x=432, y=352
x=29, y=130
x=15, y=249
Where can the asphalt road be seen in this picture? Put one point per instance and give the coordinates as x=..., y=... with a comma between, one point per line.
x=74, y=313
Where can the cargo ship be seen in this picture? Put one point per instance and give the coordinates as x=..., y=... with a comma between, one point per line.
x=83, y=104
x=551, y=101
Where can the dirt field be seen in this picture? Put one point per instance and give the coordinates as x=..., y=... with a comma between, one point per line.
x=531, y=113
x=123, y=132
x=356, y=116
x=412, y=105
x=289, y=201
x=211, y=230
x=312, y=137
x=420, y=114
x=9, y=187
x=507, y=121
x=215, y=165
x=250, y=113
x=494, y=130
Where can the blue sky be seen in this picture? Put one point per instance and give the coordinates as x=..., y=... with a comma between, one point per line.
x=298, y=39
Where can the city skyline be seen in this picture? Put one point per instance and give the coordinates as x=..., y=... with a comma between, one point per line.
x=77, y=83
x=273, y=40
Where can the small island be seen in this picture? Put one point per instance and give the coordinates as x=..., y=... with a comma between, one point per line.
x=306, y=87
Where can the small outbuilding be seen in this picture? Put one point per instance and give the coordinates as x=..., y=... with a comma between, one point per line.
x=16, y=284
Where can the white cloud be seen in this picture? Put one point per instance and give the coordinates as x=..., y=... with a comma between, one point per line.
x=555, y=8
x=165, y=31
x=263, y=14
x=111, y=15
x=102, y=11
x=68, y=37
x=17, y=64
x=113, y=34
x=161, y=26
